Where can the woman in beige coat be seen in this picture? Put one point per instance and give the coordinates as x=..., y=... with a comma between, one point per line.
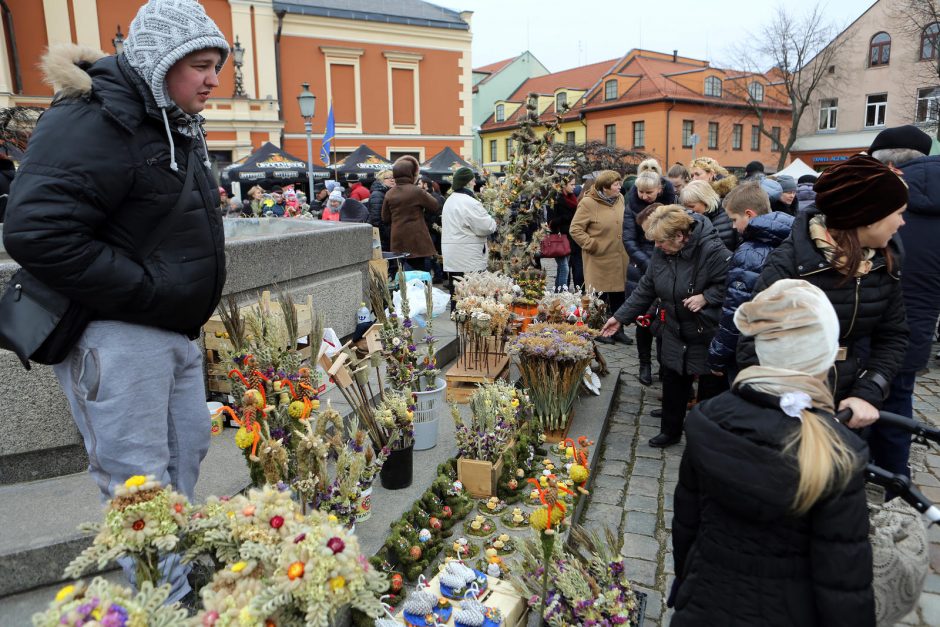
x=597, y=228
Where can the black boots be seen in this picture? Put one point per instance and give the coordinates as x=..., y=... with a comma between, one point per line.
x=622, y=338
x=646, y=373
x=663, y=440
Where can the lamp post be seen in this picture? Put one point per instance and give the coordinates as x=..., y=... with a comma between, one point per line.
x=238, y=57
x=308, y=105
x=118, y=41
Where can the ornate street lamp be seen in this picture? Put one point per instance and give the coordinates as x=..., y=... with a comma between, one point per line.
x=118, y=41
x=308, y=106
x=238, y=58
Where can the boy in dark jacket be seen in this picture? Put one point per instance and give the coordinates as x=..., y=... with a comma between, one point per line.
x=761, y=230
x=105, y=165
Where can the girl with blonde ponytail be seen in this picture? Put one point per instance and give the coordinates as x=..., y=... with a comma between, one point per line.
x=771, y=521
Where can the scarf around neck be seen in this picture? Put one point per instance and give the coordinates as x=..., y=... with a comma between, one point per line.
x=823, y=241
x=787, y=384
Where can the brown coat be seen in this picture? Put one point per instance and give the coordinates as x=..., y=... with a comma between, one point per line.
x=404, y=207
x=597, y=228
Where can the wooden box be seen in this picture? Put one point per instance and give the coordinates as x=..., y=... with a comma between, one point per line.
x=478, y=477
x=217, y=344
x=462, y=382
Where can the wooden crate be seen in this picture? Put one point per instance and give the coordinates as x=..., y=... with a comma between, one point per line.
x=478, y=477
x=462, y=382
x=216, y=343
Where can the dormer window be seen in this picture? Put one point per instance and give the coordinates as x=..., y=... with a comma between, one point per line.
x=713, y=86
x=610, y=90
x=500, y=113
x=756, y=91
x=561, y=101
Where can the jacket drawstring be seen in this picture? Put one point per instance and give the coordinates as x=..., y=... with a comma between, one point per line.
x=169, y=136
x=205, y=148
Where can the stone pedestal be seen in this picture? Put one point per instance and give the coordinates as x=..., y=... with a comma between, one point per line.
x=329, y=260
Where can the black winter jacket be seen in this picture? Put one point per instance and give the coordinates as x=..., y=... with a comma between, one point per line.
x=376, y=198
x=724, y=227
x=638, y=247
x=762, y=235
x=7, y=173
x=920, y=282
x=699, y=268
x=870, y=310
x=96, y=181
x=741, y=557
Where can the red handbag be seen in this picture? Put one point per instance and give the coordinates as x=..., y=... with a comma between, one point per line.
x=555, y=245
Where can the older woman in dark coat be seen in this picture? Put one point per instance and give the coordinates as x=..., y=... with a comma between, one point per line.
x=687, y=273
x=404, y=207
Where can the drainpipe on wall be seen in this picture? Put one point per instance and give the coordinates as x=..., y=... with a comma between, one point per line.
x=277, y=71
x=14, y=54
x=668, y=111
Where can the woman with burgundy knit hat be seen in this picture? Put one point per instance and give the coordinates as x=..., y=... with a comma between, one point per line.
x=847, y=246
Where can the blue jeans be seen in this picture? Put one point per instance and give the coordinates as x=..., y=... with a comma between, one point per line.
x=561, y=278
x=891, y=447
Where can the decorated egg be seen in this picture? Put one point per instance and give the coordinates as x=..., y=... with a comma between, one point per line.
x=458, y=486
x=513, y=484
x=396, y=582
x=446, y=511
x=415, y=552
x=520, y=473
x=424, y=535
x=435, y=523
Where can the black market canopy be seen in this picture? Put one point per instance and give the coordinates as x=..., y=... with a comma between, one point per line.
x=441, y=167
x=363, y=161
x=269, y=165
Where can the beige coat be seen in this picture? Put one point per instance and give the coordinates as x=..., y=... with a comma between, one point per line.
x=597, y=227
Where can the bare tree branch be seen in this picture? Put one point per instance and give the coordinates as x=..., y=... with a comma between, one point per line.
x=912, y=18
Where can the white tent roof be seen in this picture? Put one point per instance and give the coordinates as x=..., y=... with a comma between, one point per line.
x=797, y=169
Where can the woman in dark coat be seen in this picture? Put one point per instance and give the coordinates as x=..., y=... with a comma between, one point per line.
x=698, y=196
x=771, y=521
x=848, y=247
x=404, y=208
x=687, y=273
x=559, y=221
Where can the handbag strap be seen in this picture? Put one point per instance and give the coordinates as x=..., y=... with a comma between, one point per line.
x=160, y=232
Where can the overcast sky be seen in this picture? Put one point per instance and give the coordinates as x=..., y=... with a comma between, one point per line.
x=564, y=34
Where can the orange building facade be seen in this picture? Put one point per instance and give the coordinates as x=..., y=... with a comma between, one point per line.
x=399, y=83
x=660, y=104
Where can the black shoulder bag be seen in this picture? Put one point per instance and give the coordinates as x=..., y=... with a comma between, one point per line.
x=40, y=324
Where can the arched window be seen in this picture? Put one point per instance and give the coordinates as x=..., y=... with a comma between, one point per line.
x=879, y=50
x=756, y=91
x=930, y=41
x=561, y=101
x=713, y=86
x=500, y=113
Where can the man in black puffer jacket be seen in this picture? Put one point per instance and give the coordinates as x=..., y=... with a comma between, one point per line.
x=104, y=168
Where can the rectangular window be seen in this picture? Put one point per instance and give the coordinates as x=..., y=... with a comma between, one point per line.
x=713, y=135
x=403, y=97
x=928, y=105
x=737, y=136
x=775, y=139
x=610, y=90
x=500, y=113
x=610, y=134
x=398, y=154
x=492, y=150
x=755, y=137
x=688, y=129
x=828, y=114
x=569, y=138
x=343, y=84
x=561, y=101
x=508, y=148
x=639, y=134
x=875, y=109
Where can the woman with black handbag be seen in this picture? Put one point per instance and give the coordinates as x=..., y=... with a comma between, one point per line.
x=687, y=273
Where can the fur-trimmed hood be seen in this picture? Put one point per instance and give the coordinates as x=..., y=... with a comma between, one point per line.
x=65, y=68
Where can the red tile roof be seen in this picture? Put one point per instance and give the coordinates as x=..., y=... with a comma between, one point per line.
x=582, y=77
x=492, y=68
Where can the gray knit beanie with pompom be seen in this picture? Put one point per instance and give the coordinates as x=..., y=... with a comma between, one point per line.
x=164, y=32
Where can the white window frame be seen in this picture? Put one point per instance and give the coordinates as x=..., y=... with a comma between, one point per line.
x=713, y=126
x=930, y=96
x=334, y=55
x=561, y=96
x=756, y=91
x=828, y=114
x=404, y=61
x=713, y=81
x=499, y=115
x=879, y=107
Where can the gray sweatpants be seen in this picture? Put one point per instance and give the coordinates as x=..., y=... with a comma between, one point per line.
x=138, y=398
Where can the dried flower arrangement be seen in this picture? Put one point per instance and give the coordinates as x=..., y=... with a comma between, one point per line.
x=483, y=316
x=573, y=307
x=103, y=603
x=552, y=360
x=588, y=580
x=497, y=410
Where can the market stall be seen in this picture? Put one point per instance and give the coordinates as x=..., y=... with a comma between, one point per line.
x=441, y=167
x=269, y=166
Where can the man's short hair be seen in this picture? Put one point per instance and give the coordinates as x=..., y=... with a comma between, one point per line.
x=747, y=196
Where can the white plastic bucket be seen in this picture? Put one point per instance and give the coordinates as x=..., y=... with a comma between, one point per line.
x=428, y=407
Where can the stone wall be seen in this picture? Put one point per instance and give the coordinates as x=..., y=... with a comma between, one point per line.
x=326, y=259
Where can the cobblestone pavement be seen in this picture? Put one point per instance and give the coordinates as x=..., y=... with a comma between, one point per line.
x=634, y=488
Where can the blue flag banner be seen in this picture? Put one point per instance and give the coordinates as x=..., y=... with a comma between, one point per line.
x=328, y=138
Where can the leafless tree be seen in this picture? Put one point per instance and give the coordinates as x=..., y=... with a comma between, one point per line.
x=913, y=18
x=793, y=55
x=16, y=126
x=597, y=155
